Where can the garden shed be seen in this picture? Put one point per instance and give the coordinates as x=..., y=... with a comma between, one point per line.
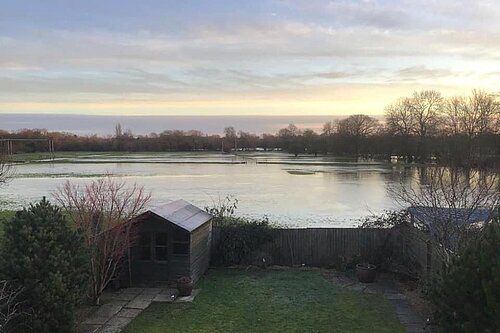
x=173, y=240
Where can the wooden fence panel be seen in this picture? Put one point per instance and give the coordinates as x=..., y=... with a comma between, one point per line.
x=321, y=246
x=418, y=251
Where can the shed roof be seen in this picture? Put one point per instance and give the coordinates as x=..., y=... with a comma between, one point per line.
x=461, y=216
x=183, y=214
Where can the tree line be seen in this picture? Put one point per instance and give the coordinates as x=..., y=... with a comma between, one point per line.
x=459, y=130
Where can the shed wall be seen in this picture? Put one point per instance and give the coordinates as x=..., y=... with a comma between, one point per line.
x=200, y=250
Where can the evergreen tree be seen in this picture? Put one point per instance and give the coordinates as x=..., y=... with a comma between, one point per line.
x=45, y=256
x=467, y=298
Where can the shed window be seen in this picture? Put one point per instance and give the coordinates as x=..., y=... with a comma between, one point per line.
x=181, y=242
x=145, y=246
x=161, y=246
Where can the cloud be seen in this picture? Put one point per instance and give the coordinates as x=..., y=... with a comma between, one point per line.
x=422, y=73
x=309, y=49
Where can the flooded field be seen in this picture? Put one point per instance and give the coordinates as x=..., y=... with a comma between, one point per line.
x=304, y=191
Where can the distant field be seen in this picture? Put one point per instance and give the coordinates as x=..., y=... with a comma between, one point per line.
x=201, y=157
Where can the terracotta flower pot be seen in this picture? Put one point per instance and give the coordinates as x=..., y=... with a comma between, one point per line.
x=366, y=273
x=185, y=286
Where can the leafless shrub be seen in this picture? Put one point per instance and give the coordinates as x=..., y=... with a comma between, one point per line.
x=11, y=306
x=450, y=197
x=6, y=170
x=104, y=211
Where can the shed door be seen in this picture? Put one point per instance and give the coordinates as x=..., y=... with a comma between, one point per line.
x=151, y=263
x=160, y=253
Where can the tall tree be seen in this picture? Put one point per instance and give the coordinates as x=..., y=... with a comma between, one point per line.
x=328, y=128
x=357, y=127
x=399, y=117
x=231, y=137
x=427, y=107
x=454, y=108
x=118, y=131
x=476, y=115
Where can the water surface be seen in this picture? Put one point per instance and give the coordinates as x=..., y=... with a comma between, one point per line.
x=304, y=191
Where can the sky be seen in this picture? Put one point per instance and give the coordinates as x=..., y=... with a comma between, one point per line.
x=259, y=57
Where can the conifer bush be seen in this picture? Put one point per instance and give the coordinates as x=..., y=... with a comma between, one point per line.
x=467, y=297
x=44, y=255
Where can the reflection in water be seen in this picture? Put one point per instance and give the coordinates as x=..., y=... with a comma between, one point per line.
x=338, y=193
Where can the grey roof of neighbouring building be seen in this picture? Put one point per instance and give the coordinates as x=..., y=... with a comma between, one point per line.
x=428, y=215
x=182, y=214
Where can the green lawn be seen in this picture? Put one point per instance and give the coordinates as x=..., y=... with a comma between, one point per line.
x=270, y=301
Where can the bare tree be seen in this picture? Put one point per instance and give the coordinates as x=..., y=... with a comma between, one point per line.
x=399, y=117
x=450, y=198
x=328, y=128
x=11, y=306
x=357, y=127
x=118, y=131
x=453, y=109
x=5, y=170
x=426, y=108
x=104, y=210
x=290, y=131
x=472, y=116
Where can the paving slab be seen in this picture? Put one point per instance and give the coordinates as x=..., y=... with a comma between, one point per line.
x=164, y=298
x=151, y=291
x=144, y=297
x=110, y=309
x=132, y=290
x=129, y=313
x=119, y=321
x=123, y=296
x=138, y=304
x=188, y=299
x=110, y=329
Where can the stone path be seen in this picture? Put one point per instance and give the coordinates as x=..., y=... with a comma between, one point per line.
x=121, y=307
x=386, y=287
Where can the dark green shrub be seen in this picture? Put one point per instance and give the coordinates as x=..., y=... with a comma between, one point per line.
x=43, y=254
x=467, y=297
x=237, y=238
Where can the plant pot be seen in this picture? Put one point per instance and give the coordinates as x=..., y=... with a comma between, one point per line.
x=185, y=287
x=366, y=273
